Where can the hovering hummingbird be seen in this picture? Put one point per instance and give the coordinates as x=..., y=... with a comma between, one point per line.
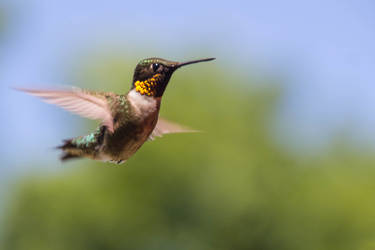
x=127, y=120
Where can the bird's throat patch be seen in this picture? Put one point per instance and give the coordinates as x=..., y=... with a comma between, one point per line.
x=148, y=86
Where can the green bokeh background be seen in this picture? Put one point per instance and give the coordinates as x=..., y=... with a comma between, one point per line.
x=230, y=187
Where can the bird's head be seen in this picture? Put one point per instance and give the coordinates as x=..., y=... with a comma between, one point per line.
x=151, y=75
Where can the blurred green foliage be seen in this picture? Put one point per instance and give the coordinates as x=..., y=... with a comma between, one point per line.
x=230, y=187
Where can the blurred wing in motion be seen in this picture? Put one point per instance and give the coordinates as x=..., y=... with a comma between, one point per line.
x=166, y=127
x=79, y=102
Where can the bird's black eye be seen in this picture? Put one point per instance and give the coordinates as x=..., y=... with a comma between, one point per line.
x=155, y=66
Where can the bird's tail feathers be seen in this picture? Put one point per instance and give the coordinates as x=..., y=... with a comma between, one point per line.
x=70, y=150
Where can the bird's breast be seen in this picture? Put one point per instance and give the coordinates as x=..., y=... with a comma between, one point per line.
x=142, y=106
x=130, y=136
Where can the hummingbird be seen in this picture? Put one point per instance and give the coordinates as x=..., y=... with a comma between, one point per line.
x=127, y=120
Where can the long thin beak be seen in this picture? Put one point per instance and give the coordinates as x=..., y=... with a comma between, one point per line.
x=194, y=61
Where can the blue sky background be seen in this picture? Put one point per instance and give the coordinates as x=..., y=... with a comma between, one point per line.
x=324, y=52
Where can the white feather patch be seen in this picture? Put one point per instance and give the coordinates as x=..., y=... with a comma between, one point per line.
x=143, y=105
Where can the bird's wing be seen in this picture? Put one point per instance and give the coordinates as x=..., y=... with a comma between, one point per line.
x=78, y=101
x=166, y=127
